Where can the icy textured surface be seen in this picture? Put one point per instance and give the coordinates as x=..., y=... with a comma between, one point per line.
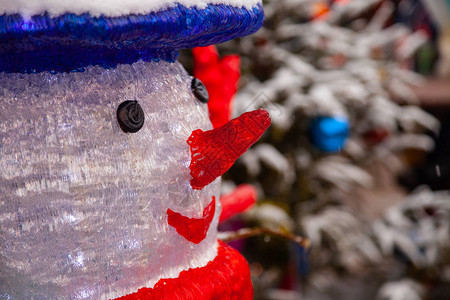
x=82, y=204
x=111, y=8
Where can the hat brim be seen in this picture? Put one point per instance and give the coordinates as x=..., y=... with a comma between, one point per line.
x=71, y=42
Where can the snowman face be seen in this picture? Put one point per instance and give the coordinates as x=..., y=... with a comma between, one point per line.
x=84, y=206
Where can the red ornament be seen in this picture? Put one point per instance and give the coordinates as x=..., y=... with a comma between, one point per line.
x=194, y=230
x=220, y=76
x=376, y=136
x=227, y=277
x=214, y=151
x=242, y=198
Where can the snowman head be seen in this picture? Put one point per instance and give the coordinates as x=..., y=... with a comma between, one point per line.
x=90, y=208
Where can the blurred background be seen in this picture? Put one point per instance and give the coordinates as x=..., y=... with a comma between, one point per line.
x=357, y=159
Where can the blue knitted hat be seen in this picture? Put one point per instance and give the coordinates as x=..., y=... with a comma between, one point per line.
x=63, y=35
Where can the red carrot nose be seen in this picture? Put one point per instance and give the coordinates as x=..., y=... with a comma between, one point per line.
x=214, y=151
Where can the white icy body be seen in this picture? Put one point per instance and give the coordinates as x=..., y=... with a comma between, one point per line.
x=83, y=204
x=110, y=8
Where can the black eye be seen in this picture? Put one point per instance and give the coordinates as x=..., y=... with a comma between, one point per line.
x=199, y=90
x=130, y=116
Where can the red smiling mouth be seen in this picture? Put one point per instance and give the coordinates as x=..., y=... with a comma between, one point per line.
x=194, y=230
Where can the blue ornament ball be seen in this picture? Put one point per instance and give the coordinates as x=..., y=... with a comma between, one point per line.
x=329, y=133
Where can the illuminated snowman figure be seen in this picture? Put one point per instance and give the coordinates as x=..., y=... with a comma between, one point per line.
x=110, y=169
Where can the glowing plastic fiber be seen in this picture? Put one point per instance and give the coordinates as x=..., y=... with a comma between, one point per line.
x=221, y=77
x=72, y=42
x=83, y=205
x=242, y=198
x=194, y=230
x=226, y=277
x=214, y=151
